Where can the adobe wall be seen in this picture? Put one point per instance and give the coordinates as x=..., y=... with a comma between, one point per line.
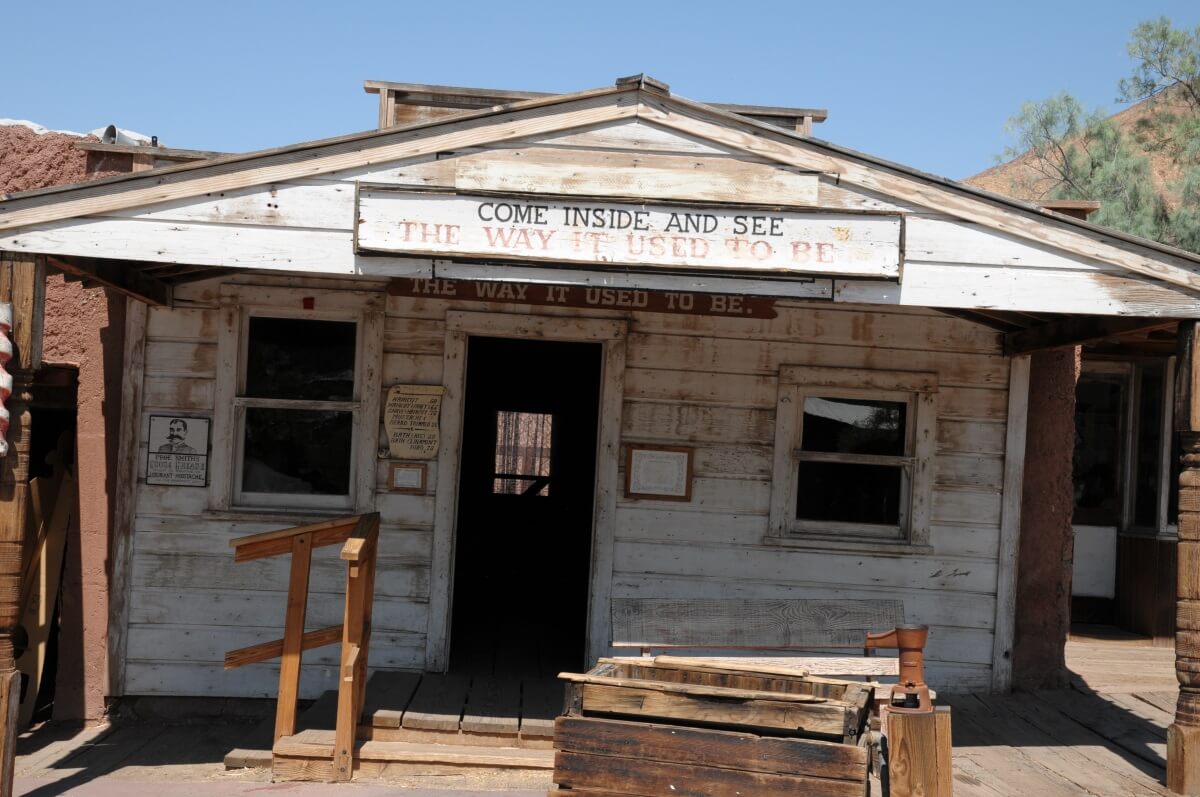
x=85, y=328
x=1045, y=556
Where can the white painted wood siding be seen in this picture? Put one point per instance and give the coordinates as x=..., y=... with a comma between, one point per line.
x=707, y=382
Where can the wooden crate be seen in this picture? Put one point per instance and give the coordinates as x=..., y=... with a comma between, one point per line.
x=712, y=696
x=620, y=757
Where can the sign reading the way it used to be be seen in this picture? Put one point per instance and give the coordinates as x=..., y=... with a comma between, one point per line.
x=525, y=228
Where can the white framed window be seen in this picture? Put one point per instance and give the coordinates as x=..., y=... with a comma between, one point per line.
x=853, y=455
x=298, y=394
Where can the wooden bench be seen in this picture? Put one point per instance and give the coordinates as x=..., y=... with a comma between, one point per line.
x=749, y=624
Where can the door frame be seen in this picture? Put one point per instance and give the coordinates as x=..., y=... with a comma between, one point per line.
x=460, y=325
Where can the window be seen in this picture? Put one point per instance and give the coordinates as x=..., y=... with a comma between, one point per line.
x=523, y=446
x=852, y=454
x=1124, y=463
x=296, y=412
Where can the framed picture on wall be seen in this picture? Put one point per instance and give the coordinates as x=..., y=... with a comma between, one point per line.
x=406, y=477
x=177, y=451
x=661, y=473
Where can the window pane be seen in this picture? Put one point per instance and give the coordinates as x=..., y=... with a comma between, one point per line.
x=1149, y=448
x=523, y=444
x=854, y=426
x=295, y=358
x=297, y=451
x=1097, y=467
x=849, y=493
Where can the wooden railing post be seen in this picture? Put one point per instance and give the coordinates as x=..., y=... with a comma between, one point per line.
x=359, y=553
x=293, y=636
x=1183, y=737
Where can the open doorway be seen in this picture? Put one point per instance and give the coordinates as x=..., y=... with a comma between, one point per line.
x=526, y=496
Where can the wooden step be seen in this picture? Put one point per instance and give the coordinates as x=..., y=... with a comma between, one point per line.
x=308, y=755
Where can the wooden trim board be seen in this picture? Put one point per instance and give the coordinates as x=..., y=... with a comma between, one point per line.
x=1010, y=523
x=125, y=493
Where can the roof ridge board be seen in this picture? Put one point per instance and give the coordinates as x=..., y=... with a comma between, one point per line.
x=375, y=86
x=944, y=182
x=348, y=138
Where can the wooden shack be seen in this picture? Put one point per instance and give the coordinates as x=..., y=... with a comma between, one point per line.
x=574, y=349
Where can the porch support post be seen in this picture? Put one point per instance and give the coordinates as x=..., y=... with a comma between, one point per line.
x=1183, y=737
x=20, y=285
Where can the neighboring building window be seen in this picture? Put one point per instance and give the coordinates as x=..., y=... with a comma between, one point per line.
x=1124, y=468
x=852, y=451
x=523, y=447
x=297, y=410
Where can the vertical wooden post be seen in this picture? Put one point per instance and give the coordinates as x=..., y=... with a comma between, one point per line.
x=293, y=637
x=19, y=285
x=1183, y=737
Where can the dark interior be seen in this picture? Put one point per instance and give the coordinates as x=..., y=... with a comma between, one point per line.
x=527, y=476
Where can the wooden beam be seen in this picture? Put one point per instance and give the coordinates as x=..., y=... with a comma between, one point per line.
x=990, y=320
x=22, y=278
x=1075, y=331
x=122, y=276
x=1183, y=737
x=125, y=493
x=265, y=651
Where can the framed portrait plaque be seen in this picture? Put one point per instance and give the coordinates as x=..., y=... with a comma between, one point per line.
x=177, y=451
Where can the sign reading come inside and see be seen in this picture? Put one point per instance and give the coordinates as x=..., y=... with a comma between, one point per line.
x=625, y=234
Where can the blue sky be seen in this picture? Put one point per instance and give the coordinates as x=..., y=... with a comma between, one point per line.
x=927, y=84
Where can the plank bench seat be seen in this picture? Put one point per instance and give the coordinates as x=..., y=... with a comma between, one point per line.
x=806, y=626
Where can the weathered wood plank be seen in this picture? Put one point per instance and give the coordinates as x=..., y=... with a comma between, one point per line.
x=635, y=776
x=493, y=706
x=746, y=623
x=619, y=174
x=817, y=718
x=438, y=703
x=710, y=748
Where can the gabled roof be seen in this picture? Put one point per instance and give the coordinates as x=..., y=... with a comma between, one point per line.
x=632, y=98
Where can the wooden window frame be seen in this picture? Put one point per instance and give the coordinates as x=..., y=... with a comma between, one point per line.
x=1130, y=372
x=918, y=391
x=240, y=303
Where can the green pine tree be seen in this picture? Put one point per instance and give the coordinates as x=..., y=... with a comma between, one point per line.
x=1073, y=154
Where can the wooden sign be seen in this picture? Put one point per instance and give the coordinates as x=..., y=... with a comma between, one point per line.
x=532, y=229
x=683, y=302
x=410, y=418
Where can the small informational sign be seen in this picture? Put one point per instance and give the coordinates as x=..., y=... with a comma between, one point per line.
x=406, y=477
x=177, y=451
x=677, y=302
x=411, y=420
x=530, y=228
x=663, y=473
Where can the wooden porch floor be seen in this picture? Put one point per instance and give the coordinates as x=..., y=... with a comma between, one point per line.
x=1105, y=735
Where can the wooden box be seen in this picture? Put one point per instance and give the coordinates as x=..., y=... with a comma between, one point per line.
x=611, y=757
x=772, y=704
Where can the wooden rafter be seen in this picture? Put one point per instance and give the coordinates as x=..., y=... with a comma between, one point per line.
x=122, y=276
x=1076, y=331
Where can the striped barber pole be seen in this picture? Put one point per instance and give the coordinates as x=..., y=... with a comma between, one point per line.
x=6, y=381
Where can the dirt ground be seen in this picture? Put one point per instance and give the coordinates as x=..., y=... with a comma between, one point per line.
x=186, y=760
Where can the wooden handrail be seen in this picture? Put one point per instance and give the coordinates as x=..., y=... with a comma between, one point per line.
x=276, y=543
x=360, y=535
